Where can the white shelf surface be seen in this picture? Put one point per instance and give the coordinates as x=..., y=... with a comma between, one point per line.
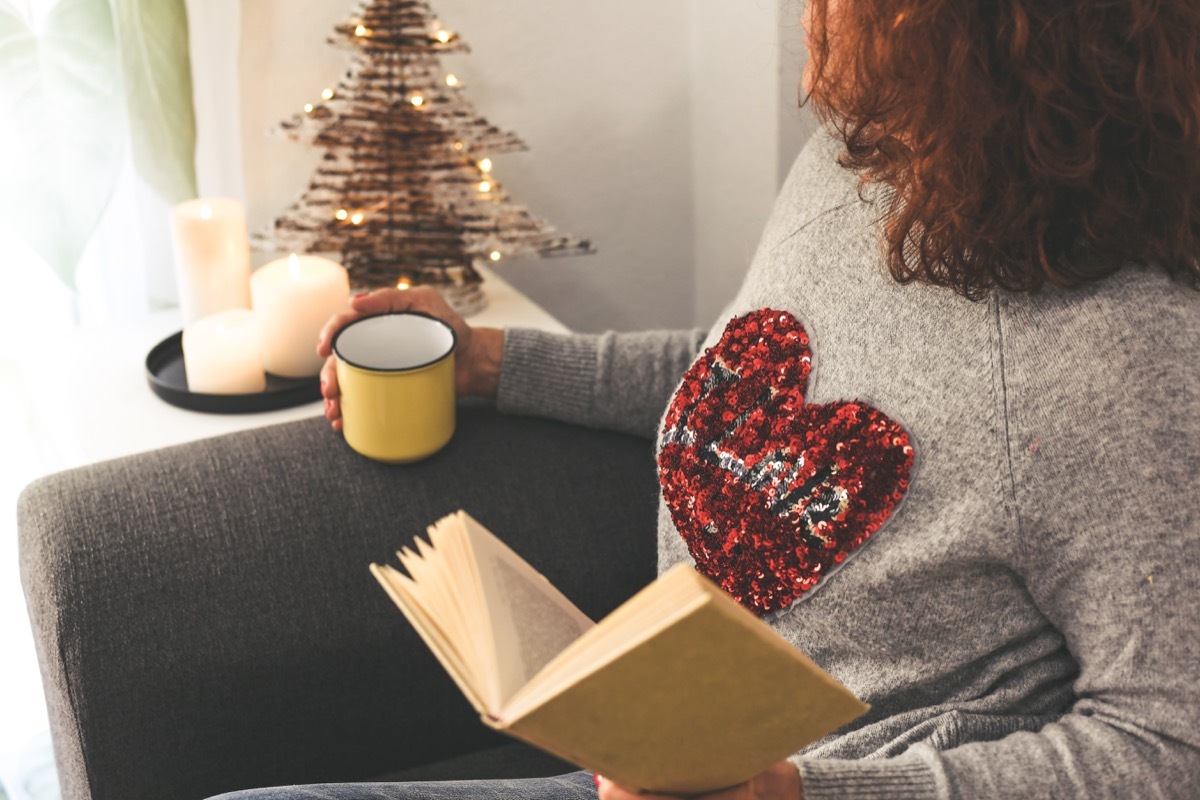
x=91, y=401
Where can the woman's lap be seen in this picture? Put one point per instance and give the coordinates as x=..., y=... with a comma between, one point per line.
x=572, y=786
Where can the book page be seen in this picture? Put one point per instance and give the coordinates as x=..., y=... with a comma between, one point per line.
x=450, y=554
x=406, y=595
x=657, y=606
x=531, y=621
x=427, y=584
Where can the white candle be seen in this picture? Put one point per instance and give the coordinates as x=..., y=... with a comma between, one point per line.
x=212, y=256
x=222, y=353
x=294, y=298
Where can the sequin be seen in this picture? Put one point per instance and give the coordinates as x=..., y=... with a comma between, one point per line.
x=768, y=492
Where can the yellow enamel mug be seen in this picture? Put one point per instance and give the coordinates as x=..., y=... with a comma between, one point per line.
x=396, y=376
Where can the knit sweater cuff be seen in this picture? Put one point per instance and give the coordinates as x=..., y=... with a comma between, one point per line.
x=548, y=374
x=903, y=778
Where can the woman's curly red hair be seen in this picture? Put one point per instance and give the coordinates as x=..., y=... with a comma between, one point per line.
x=1023, y=141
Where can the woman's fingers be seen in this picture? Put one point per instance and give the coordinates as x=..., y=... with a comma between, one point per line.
x=611, y=791
x=361, y=305
x=335, y=324
x=780, y=781
x=329, y=381
x=381, y=301
x=333, y=413
x=331, y=393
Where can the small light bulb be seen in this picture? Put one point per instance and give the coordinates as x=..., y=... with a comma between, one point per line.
x=308, y=108
x=327, y=94
x=360, y=31
x=342, y=214
x=484, y=186
x=356, y=219
x=485, y=164
x=494, y=255
x=452, y=80
x=403, y=284
x=458, y=145
x=206, y=211
x=417, y=100
x=443, y=35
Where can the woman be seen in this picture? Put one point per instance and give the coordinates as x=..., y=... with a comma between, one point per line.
x=945, y=438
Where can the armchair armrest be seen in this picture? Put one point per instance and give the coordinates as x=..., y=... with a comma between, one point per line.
x=205, y=620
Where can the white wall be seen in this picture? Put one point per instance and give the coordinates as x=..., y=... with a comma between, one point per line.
x=794, y=124
x=659, y=130
x=598, y=89
x=746, y=131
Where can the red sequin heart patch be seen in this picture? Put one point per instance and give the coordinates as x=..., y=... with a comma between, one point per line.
x=770, y=493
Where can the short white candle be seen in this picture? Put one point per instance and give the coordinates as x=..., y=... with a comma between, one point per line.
x=212, y=256
x=222, y=353
x=294, y=298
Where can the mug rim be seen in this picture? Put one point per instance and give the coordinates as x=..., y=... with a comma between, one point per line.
x=449, y=352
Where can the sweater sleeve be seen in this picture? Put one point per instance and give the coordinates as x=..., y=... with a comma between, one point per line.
x=1103, y=436
x=614, y=381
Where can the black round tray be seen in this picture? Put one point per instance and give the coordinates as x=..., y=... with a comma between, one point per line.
x=168, y=380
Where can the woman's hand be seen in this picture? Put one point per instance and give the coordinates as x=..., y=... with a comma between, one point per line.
x=780, y=781
x=476, y=359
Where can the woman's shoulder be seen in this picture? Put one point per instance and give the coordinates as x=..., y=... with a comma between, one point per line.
x=1103, y=382
x=1132, y=326
x=816, y=185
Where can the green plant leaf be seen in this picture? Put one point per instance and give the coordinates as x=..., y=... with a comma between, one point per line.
x=153, y=39
x=61, y=131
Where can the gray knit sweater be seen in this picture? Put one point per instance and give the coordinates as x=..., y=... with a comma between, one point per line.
x=1025, y=622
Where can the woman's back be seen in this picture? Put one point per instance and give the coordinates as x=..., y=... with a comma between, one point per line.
x=1042, y=558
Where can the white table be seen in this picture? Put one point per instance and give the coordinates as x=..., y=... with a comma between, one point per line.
x=91, y=400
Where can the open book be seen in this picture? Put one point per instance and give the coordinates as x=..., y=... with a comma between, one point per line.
x=678, y=690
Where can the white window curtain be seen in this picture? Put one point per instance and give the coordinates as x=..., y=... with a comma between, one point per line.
x=125, y=272
x=126, y=269
x=215, y=32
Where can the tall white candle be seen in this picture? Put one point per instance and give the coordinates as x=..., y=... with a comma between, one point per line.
x=212, y=256
x=222, y=353
x=295, y=297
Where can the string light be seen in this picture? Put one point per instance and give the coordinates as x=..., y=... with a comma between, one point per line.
x=401, y=38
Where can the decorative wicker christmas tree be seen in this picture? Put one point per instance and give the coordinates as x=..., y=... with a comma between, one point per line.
x=405, y=191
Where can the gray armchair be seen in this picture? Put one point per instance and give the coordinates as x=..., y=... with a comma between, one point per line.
x=205, y=620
